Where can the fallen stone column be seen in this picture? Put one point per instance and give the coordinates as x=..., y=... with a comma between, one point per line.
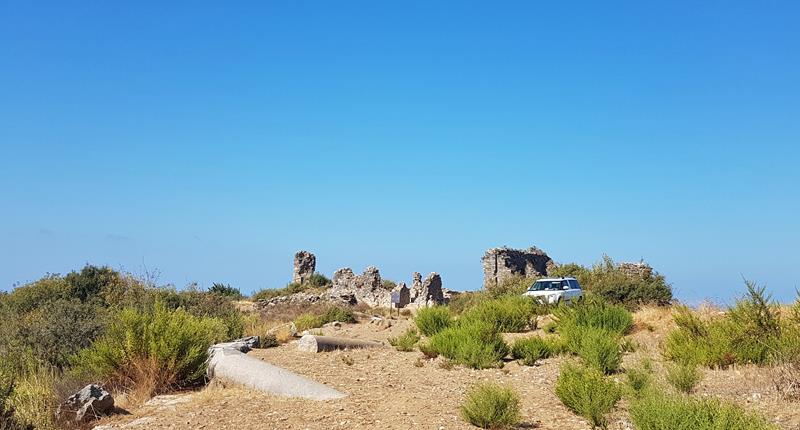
x=231, y=364
x=312, y=343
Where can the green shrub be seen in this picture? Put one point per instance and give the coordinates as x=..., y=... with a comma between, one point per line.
x=317, y=280
x=491, y=406
x=594, y=312
x=337, y=313
x=225, y=291
x=475, y=344
x=406, y=341
x=61, y=328
x=33, y=398
x=585, y=391
x=167, y=345
x=683, y=377
x=38, y=293
x=307, y=321
x=607, y=280
x=600, y=348
x=657, y=411
x=206, y=305
x=91, y=281
x=750, y=332
x=433, y=320
x=637, y=379
x=468, y=299
x=531, y=349
x=575, y=321
x=509, y=314
x=513, y=286
x=7, y=378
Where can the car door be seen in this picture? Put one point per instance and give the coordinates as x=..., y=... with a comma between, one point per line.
x=574, y=290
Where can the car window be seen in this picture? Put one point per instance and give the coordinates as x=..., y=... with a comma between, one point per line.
x=574, y=284
x=564, y=283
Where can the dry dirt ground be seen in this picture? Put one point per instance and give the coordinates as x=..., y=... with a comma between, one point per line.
x=388, y=389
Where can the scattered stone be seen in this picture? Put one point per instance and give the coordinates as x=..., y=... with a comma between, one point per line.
x=503, y=263
x=91, y=402
x=304, y=265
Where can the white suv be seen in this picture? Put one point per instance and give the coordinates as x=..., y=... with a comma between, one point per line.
x=556, y=290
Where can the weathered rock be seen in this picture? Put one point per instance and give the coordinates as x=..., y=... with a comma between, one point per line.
x=304, y=265
x=244, y=344
x=92, y=401
x=312, y=343
x=431, y=291
x=500, y=264
x=416, y=285
x=405, y=294
x=366, y=288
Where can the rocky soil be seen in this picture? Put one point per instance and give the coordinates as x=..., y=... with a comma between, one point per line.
x=403, y=390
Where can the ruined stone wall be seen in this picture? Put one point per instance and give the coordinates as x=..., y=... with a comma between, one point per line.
x=304, y=265
x=503, y=263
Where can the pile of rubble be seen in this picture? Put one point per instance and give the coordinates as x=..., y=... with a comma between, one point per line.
x=367, y=288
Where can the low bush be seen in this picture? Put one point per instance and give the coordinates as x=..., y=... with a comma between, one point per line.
x=317, y=280
x=607, y=280
x=491, y=406
x=575, y=321
x=531, y=349
x=637, y=380
x=164, y=348
x=594, y=312
x=204, y=305
x=432, y=320
x=33, y=398
x=658, y=411
x=588, y=393
x=600, y=348
x=225, y=291
x=512, y=286
x=314, y=281
x=307, y=321
x=59, y=329
x=509, y=314
x=475, y=344
x=406, y=341
x=750, y=332
x=338, y=313
x=684, y=377
x=465, y=301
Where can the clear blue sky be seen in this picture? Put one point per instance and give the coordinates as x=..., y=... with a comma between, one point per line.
x=211, y=140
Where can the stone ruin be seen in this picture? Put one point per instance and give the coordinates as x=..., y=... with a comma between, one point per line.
x=304, y=265
x=503, y=263
x=636, y=270
x=367, y=288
